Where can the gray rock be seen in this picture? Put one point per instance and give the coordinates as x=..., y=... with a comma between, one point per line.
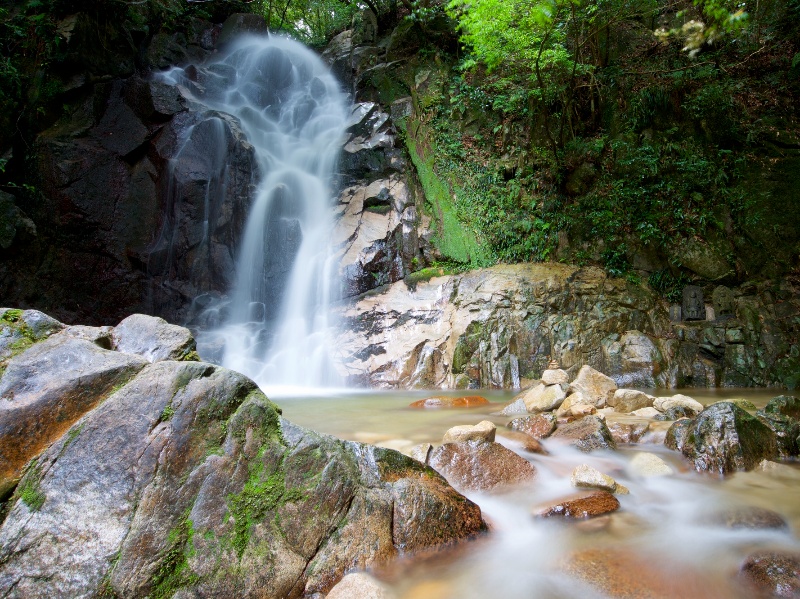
x=153, y=338
x=587, y=434
x=46, y=389
x=187, y=477
x=481, y=466
x=517, y=406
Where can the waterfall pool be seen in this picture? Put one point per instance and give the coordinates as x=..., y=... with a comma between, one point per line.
x=667, y=540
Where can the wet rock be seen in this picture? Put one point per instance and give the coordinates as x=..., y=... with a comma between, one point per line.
x=676, y=413
x=153, y=338
x=483, y=432
x=584, y=505
x=542, y=398
x=100, y=336
x=724, y=438
x=622, y=574
x=539, y=426
x=741, y=402
x=627, y=432
x=628, y=400
x=515, y=407
x=586, y=476
x=677, y=434
x=662, y=404
x=772, y=574
x=750, y=517
x=421, y=452
x=556, y=376
x=587, y=434
x=360, y=586
x=594, y=385
x=782, y=416
x=524, y=441
x=649, y=464
x=187, y=476
x=442, y=401
x=20, y=329
x=646, y=413
x=481, y=466
x=46, y=389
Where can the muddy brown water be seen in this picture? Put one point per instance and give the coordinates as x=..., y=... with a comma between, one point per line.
x=665, y=541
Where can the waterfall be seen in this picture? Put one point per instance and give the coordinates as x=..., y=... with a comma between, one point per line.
x=293, y=112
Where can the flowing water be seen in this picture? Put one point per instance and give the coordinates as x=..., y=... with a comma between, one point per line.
x=293, y=113
x=665, y=541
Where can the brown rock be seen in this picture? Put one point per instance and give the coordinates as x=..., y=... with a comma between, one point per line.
x=627, y=432
x=772, y=574
x=628, y=400
x=621, y=575
x=587, y=434
x=442, y=401
x=360, y=586
x=750, y=517
x=539, y=426
x=524, y=441
x=484, y=432
x=596, y=386
x=583, y=505
x=481, y=466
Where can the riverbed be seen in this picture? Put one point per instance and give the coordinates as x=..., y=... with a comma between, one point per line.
x=667, y=540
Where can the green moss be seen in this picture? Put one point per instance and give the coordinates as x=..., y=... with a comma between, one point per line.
x=11, y=315
x=29, y=490
x=191, y=356
x=262, y=493
x=173, y=571
x=167, y=413
x=425, y=275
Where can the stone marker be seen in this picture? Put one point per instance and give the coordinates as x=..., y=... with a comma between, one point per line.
x=693, y=307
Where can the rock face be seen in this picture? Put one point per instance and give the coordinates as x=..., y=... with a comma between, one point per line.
x=186, y=477
x=722, y=439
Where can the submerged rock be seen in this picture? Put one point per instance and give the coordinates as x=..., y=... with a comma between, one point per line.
x=722, y=439
x=587, y=434
x=443, y=401
x=750, y=517
x=649, y=464
x=481, y=466
x=772, y=574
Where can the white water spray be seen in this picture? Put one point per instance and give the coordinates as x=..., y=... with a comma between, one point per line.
x=294, y=114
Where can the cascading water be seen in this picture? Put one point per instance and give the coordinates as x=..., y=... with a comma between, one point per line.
x=293, y=113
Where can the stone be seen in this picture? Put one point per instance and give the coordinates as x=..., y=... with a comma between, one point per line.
x=515, y=407
x=443, y=401
x=421, y=452
x=481, y=466
x=646, y=413
x=579, y=410
x=662, y=404
x=623, y=574
x=628, y=400
x=594, y=385
x=584, y=505
x=575, y=399
x=725, y=438
x=539, y=426
x=586, y=476
x=648, y=464
x=587, y=434
x=627, y=432
x=751, y=518
x=543, y=398
x=359, y=585
x=153, y=338
x=555, y=377
x=675, y=313
x=741, y=402
x=693, y=307
x=483, y=432
x=48, y=388
x=191, y=460
x=723, y=300
x=676, y=413
x=524, y=441
x=772, y=574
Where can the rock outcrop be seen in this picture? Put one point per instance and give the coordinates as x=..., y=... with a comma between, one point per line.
x=183, y=476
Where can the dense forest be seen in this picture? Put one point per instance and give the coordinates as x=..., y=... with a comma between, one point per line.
x=657, y=139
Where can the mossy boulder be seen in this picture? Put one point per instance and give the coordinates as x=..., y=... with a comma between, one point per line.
x=722, y=439
x=782, y=416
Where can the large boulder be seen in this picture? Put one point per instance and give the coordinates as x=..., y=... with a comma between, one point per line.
x=722, y=439
x=47, y=388
x=186, y=479
x=153, y=338
x=782, y=416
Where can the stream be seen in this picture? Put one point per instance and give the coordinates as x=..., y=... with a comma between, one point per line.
x=665, y=541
